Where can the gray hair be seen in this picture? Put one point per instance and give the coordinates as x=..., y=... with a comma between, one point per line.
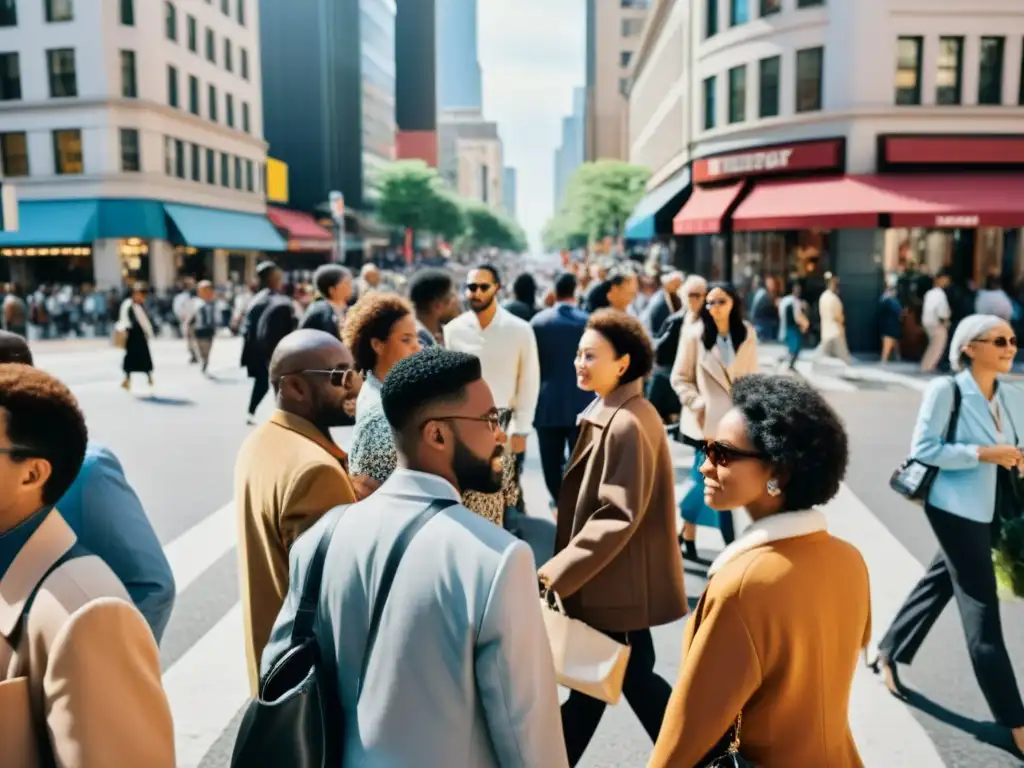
x=694, y=282
x=971, y=328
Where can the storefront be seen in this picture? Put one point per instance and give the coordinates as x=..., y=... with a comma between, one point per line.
x=308, y=244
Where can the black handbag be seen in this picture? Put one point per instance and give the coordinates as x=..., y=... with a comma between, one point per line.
x=913, y=479
x=728, y=755
x=296, y=720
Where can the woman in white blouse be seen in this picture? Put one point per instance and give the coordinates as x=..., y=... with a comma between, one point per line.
x=713, y=353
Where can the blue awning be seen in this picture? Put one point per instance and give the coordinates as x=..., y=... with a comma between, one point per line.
x=123, y=218
x=230, y=230
x=53, y=222
x=640, y=224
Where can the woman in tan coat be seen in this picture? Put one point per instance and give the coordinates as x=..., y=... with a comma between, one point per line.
x=773, y=643
x=617, y=566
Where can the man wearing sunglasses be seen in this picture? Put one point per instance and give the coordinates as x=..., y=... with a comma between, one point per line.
x=289, y=472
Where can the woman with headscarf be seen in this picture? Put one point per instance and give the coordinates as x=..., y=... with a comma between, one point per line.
x=962, y=508
x=134, y=326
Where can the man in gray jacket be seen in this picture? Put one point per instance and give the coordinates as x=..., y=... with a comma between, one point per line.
x=461, y=672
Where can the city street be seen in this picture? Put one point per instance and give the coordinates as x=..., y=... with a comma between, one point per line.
x=178, y=448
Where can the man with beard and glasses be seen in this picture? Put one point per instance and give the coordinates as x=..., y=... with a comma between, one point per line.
x=459, y=671
x=289, y=473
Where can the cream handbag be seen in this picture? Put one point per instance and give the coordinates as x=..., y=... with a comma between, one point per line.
x=586, y=660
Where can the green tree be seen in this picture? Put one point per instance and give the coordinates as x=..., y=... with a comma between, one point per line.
x=487, y=228
x=601, y=196
x=562, y=231
x=412, y=196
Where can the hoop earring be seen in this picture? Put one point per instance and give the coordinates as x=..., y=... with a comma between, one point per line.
x=773, y=488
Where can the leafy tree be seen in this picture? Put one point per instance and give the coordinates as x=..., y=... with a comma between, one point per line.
x=598, y=200
x=446, y=216
x=562, y=231
x=412, y=196
x=487, y=228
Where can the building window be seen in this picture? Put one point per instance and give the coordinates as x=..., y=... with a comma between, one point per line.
x=238, y=172
x=769, y=7
x=809, y=3
x=908, y=70
x=63, y=82
x=241, y=12
x=808, y=79
x=709, y=103
x=990, y=79
x=211, y=46
x=228, y=60
x=9, y=18
x=710, y=18
x=245, y=117
x=13, y=154
x=738, y=94
x=250, y=185
x=130, y=160
x=229, y=110
x=171, y=21
x=172, y=86
x=193, y=34
x=1020, y=94
x=10, y=77
x=768, y=90
x=129, y=83
x=632, y=27
x=128, y=13
x=59, y=10
x=244, y=54
x=67, y=151
x=624, y=58
x=225, y=170
x=168, y=156
x=211, y=167
x=212, y=111
x=739, y=12
x=949, y=77
x=197, y=168
x=193, y=94
x=179, y=158
x=225, y=7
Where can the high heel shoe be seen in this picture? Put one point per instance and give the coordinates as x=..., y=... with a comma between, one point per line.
x=886, y=667
x=689, y=549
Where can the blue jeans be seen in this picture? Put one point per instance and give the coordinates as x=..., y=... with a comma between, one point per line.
x=694, y=510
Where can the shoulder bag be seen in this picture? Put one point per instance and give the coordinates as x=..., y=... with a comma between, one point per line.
x=729, y=756
x=297, y=719
x=913, y=479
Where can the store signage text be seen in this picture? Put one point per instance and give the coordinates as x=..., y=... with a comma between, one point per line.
x=957, y=222
x=824, y=155
x=754, y=161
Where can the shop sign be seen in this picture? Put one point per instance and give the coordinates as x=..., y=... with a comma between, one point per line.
x=792, y=158
x=957, y=222
x=956, y=150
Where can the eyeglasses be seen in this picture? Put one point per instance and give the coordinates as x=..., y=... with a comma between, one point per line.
x=16, y=450
x=481, y=287
x=1000, y=342
x=723, y=454
x=716, y=303
x=498, y=418
x=338, y=377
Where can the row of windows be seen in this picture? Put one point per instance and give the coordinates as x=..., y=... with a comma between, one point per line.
x=67, y=152
x=739, y=12
x=188, y=161
x=212, y=101
x=210, y=39
x=949, y=74
x=809, y=77
x=53, y=10
x=60, y=64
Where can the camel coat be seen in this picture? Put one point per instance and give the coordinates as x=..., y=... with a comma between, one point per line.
x=288, y=474
x=777, y=636
x=82, y=687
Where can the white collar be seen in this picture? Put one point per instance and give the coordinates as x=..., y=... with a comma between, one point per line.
x=412, y=482
x=784, y=525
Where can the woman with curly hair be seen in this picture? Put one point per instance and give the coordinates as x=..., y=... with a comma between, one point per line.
x=617, y=566
x=770, y=653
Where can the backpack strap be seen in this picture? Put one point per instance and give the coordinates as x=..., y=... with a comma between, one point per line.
x=305, y=617
x=77, y=550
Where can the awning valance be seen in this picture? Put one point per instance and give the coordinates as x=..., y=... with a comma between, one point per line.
x=53, y=222
x=231, y=230
x=707, y=206
x=297, y=225
x=641, y=224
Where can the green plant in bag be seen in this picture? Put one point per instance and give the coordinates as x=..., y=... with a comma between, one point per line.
x=1008, y=558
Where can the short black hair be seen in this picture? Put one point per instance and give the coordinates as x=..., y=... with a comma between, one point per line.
x=800, y=434
x=329, y=275
x=627, y=335
x=565, y=285
x=265, y=269
x=492, y=269
x=429, y=285
x=372, y=317
x=524, y=288
x=14, y=349
x=430, y=376
x=44, y=418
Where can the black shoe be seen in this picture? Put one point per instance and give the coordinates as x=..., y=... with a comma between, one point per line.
x=689, y=550
x=887, y=668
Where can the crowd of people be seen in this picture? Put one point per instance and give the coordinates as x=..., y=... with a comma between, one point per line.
x=440, y=621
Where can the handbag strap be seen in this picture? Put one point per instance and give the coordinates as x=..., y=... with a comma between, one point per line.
x=954, y=416
x=305, y=617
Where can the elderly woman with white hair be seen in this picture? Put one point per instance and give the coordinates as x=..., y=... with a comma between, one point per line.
x=971, y=427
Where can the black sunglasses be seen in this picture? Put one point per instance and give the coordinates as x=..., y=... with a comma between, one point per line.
x=481, y=287
x=716, y=303
x=498, y=418
x=338, y=377
x=723, y=454
x=16, y=450
x=1000, y=342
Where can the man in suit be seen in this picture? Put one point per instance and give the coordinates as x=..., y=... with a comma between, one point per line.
x=461, y=672
x=558, y=331
x=108, y=518
x=79, y=669
x=432, y=293
x=289, y=473
x=327, y=313
x=663, y=304
x=254, y=358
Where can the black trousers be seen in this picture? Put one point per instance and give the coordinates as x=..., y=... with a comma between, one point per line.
x=260, y=387
x=963, y=570
x=646, y=692
x=556, y=445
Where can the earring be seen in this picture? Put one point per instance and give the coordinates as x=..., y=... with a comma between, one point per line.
x=773, y=487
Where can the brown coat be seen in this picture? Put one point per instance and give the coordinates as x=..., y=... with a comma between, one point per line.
x=617, y=565
x=777, y=635
x=288, y=474
x=83, y=683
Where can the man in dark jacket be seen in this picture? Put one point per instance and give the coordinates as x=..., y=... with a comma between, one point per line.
x=334, y=284
x=255, y=356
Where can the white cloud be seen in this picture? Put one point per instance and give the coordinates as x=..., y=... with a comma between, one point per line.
x=532, y=53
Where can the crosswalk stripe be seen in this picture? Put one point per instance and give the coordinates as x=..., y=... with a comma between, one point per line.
x=201, y=546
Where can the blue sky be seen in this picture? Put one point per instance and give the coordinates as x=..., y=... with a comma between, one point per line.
x=532, y=56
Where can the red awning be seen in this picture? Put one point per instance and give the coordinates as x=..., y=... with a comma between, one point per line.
x=846, y=202
x=298, y=225
x=704, y=211
x=955, y=200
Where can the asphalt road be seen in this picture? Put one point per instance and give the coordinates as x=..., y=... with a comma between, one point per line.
x=178, y=448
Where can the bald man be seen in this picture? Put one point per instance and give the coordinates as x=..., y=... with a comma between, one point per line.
x=289, y=473
x=14, y=349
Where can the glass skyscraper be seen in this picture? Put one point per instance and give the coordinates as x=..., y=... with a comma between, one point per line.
x=458, y=63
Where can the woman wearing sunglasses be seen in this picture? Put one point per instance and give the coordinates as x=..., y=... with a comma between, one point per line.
x=961, y=508
x=775, y=639
x=713, y=353
x=617, y=566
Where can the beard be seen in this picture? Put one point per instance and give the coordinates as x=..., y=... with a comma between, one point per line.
x=330, y=411
x=481, y=305
x=474, y=473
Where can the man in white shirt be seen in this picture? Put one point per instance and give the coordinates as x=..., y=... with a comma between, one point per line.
x=833, y=323
x=935, y=317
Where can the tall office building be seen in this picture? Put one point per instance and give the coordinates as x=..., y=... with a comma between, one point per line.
x=471, y=156
x=459, y=81
x=416, y=81
x=613, y=35
x=329, y=95
x=570, y=153
x=509, y=191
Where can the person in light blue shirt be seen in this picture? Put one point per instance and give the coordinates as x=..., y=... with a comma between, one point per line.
x=107, y=516
x=975, y=469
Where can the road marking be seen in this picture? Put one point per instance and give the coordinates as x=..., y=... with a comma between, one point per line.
x=201, y=546
x=206, y=687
